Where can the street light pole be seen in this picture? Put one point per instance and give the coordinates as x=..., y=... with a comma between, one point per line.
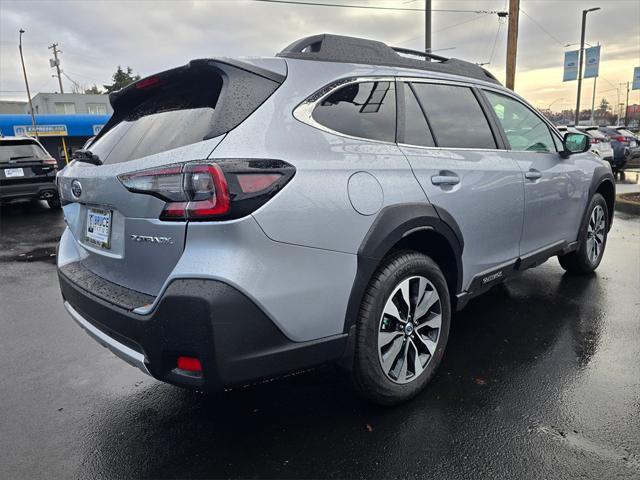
x=580, y=62
x=26, y=82
x=427, y=26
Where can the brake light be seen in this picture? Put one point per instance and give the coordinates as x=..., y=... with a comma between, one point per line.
x=225, y=189
x=189, y=364
x=50, y=162
x=147, y=83
x=620, y=138
x=594, y=141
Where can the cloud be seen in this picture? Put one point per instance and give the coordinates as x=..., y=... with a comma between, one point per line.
x=96, y=36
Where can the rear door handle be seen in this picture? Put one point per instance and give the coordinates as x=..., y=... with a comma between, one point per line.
x=445, y=179
x=533, y=174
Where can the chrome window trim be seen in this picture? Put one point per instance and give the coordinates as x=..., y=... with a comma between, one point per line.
x=304, y=111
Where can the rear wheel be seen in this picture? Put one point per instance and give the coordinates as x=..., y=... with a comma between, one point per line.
x=594, y=239
x=402, y=329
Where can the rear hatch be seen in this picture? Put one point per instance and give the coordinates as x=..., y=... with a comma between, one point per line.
x=159, y=123
x=24, y=161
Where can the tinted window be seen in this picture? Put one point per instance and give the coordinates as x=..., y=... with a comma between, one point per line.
x=20, y=149
x=366, y=110
x=455, y=116
x=416, y=130
x=524, y=129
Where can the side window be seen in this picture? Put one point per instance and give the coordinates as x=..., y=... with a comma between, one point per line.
x=525, y=131
x=455, y=116
x=416, y=129
x=365, y=110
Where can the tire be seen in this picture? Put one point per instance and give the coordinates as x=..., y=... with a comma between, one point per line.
x=423, y=342
x=587, y=257
x=54, y=203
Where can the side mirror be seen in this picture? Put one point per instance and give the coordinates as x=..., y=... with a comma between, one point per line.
x=575, y=143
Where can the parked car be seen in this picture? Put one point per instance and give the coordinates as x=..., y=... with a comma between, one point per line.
x=325, y=205
x=634, y=141
x=599, y=142
x=621, y=144
x=27, y=171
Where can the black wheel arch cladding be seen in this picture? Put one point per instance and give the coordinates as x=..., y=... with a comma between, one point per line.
x=392, y=224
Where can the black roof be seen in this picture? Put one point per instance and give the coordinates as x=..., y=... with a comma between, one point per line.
x=337, y=48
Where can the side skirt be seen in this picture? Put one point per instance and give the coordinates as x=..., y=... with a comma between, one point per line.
x=487, y=279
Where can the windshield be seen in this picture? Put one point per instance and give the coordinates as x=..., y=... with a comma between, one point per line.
x=21, y=149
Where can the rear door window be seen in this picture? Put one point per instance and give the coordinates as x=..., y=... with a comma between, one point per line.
x=364, y=110
x=525, y=130
x=455, y=116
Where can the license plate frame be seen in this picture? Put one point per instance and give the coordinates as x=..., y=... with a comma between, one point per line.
x=14, y=172
x=97, y=231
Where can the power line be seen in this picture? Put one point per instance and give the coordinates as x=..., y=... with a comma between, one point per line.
x=495, y=42
x=443, y=29
x=553, y=37
x=370, y=7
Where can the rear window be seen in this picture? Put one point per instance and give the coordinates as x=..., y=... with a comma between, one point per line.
x=180, y=107
x=170, y=116
x=364, y=110
x=20, y=150
x=455, y=116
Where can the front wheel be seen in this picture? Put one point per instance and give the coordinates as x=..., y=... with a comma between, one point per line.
x=593, y=240
x=402, y=330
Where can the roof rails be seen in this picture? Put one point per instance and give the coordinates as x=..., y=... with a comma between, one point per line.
x=337, y=48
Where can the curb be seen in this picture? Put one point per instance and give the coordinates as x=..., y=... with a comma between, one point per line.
x=625, y=206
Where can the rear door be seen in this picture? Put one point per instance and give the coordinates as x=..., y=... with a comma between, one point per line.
x=458, y=161
x=555, y=187
x=171, y=118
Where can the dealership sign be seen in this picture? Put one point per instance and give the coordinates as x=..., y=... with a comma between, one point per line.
x=636, y=79
x=570, y=66
x=43, y=130
x=96, y=129
x=592, y=62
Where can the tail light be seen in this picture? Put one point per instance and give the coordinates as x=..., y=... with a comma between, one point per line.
x=50, y=162
x=595, y=141
x=620, y=138
x=220, y=190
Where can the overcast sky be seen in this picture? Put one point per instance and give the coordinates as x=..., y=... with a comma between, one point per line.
x=96, y=36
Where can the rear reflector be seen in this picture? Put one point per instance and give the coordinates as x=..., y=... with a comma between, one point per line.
x=189, y=364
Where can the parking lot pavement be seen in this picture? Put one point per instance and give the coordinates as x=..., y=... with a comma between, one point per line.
x=540, y=380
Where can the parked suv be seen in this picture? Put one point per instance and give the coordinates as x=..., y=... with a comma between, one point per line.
x=27, y=171
x=238, y=220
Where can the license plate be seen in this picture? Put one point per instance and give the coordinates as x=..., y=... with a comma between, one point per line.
x=98, y=229
x=13, y=172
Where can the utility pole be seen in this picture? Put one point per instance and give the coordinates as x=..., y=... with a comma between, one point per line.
x=56, y=62
x=626, y=108
x=26, y=82
x=427, y=26
x=512, y=42
x=581, y=61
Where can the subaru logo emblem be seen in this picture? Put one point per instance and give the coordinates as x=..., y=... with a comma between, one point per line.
x=76, y=188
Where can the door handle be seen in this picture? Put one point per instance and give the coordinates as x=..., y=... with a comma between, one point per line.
x=445, y=179
x=533, y=174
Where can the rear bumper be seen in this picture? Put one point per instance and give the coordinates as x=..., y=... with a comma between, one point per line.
x=235, y=341
x=43, y=190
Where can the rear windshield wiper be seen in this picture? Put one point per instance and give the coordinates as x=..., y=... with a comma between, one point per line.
x=87, y=156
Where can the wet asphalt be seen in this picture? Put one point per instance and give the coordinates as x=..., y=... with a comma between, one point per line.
x=541, y=379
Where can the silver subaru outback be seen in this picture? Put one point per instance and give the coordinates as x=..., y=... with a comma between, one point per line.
x=240, y=219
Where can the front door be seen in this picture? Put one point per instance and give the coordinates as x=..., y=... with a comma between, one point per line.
x=554, y=186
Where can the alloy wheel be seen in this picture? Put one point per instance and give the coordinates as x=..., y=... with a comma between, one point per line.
x=595, y=234
x=409, y=329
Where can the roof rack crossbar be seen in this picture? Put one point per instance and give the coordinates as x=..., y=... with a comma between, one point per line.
x=337, y=48
x=418, y=53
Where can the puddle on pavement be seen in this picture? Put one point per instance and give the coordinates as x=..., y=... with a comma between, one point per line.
x=44, y=254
